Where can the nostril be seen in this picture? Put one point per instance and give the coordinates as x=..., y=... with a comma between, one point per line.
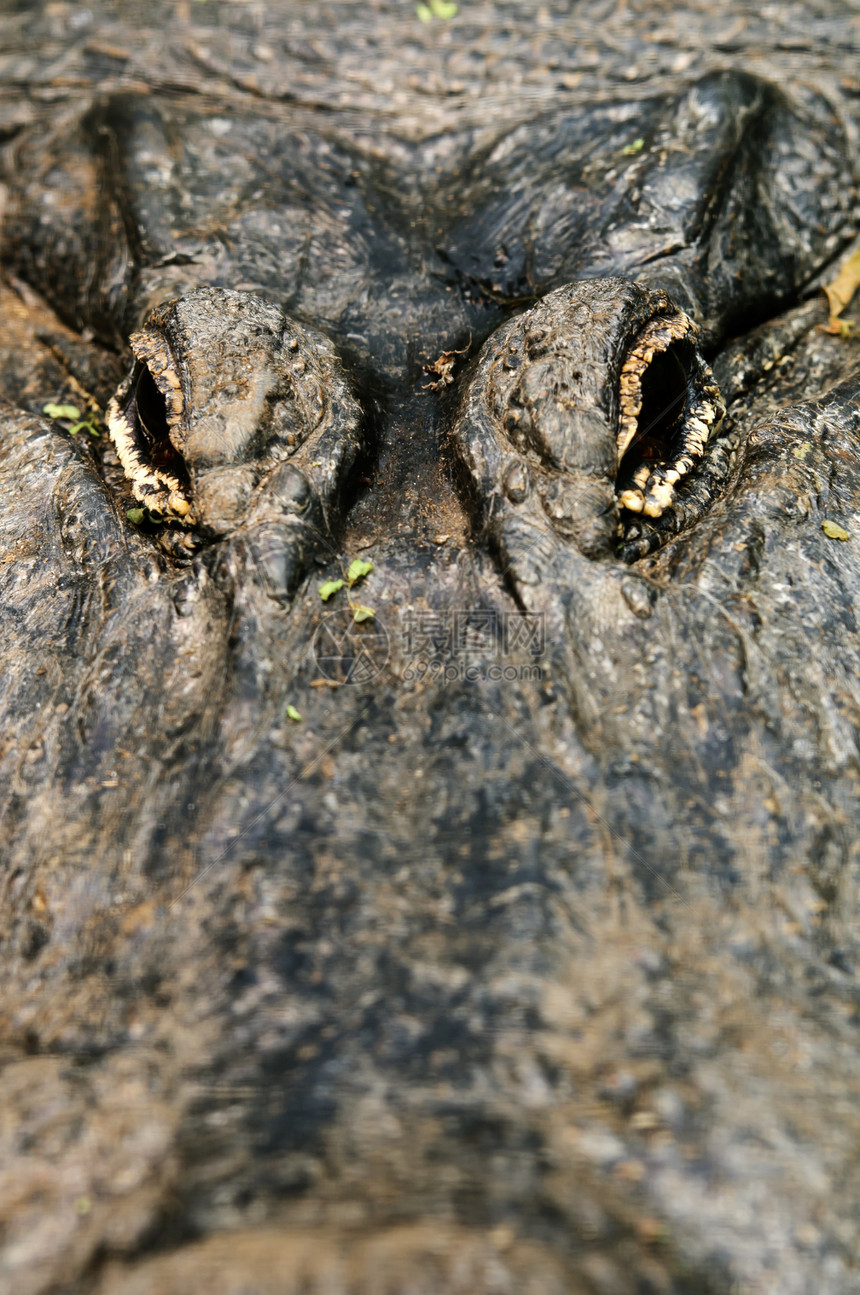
x=211, y=426
x=611, y=424
x=153, y=420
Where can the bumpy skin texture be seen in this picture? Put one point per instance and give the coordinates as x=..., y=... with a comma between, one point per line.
x=534, y=974
x=564, y=398
x=240, y=425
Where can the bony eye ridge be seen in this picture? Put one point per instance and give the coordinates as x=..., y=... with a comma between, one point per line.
x=224, y=392
x=595, y=412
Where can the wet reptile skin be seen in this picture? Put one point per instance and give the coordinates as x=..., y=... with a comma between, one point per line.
x=533, y=972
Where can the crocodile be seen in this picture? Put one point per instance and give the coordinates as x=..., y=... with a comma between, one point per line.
x=431, y=694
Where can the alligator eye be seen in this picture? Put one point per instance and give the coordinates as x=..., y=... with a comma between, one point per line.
x=140, y=417
x=152, y=418
x=664, y=402
x=667, y=411
x=151, y=409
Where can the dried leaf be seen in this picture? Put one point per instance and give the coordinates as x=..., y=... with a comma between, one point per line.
x=443, y=367
x=841, y=289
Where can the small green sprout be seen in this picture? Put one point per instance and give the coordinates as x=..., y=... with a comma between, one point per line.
x=294, y=715
x=61, y=411
x=833, y=530
x=71, y=413
x=358, y=569
x=328, y=588
x=137, y=516
x=443, y=9
x=801, y=451
x=636, y=147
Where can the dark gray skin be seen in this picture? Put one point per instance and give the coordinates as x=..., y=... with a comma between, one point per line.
x=537, y=974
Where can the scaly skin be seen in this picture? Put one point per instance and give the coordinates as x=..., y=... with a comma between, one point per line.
x=500, y=970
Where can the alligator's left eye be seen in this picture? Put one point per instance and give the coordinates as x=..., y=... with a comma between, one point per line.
x=664, y=404
x=139, y=421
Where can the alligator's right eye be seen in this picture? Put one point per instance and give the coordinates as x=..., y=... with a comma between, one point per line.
x=611, y=413
x=664, y=400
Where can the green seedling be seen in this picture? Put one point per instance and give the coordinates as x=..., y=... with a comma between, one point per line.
x=137, y=516
x=442, y=9
x=328, y=588
x=357, y=570
x=73, y=415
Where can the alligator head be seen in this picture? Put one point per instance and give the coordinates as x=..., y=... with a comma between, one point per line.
x=505, y=979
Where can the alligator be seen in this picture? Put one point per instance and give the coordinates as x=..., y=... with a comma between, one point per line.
x=431, y=681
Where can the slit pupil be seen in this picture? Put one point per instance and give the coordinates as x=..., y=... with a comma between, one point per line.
x=664, y=404
x=664, y=398
x=151, y=408
x=153, y=425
